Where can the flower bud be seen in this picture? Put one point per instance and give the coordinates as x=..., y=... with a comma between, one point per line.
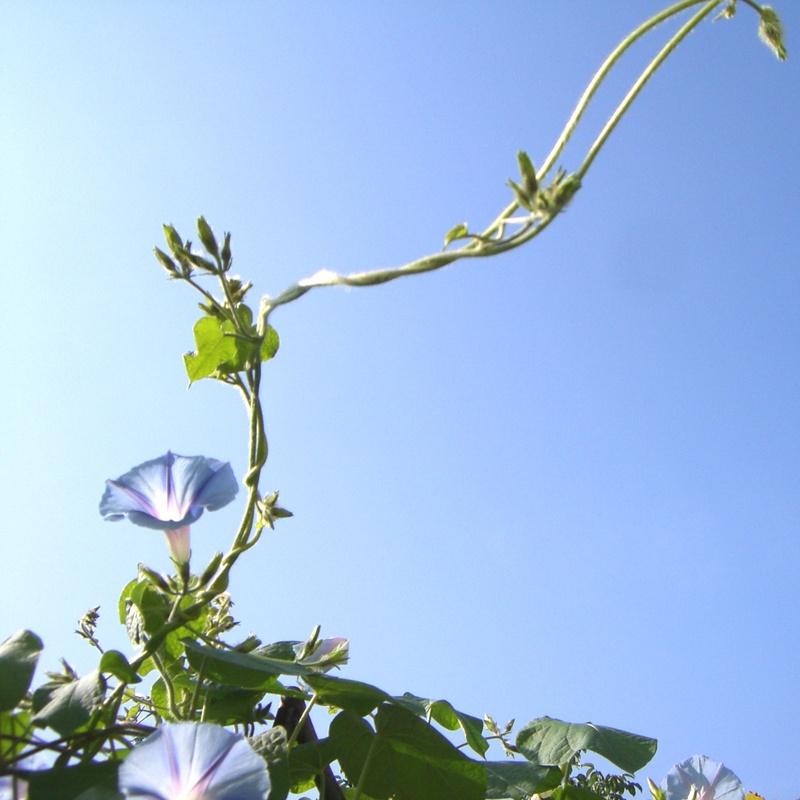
x=207, y=237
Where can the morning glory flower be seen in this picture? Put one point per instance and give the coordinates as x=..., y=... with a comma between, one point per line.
x=13, y=789
x=169, y=493
x=193, y=761
x=709, y=779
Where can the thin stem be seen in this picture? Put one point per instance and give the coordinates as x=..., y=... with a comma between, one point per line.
x=583, y=102
x=196, y=692
x=601, y=74
x=208, y=296
x=480, y=248
x=229, y=298
x=302, y=721
x=173, y=707
x=642, y=80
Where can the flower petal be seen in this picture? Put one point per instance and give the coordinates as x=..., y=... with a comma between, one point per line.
x=714, y=781
x=193, y=760
x=170, y=491
x=203, y=482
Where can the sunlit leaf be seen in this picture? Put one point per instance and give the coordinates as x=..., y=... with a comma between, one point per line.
x=115, y=663
x=551, y=741
x=361, y=698
x=518, y=779
x=18, y=656
x=459, y=231
x=65, y=707
x=245, y=670
x=404, y=758
x=213, y=347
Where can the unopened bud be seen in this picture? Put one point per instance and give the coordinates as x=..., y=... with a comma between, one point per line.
x=207, y=237
x=528, y=172
x=166, y=261
x=173, y=240
x=155, y=578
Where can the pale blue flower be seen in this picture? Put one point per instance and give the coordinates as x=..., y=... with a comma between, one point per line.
x=11, y=789
x=169, y=493
x=193, y=761
x=711, y=780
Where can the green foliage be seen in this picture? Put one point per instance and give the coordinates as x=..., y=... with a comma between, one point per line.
x=222, y=350
x=608, y=787
x=307, y=762
x=360, y=698
x=444, y=714
x=76, y=783
x=115, y=663
x=403, y=757
x=215, y=349
x=517, y=780
x=551, y=741
x=18, y=656
x=770, y=31
x=67, y=705
x=459, y=231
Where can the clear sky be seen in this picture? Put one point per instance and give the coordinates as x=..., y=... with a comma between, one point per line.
x=561, y=482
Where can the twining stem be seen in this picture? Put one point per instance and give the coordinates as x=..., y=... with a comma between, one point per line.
x=482, y=245
x=642, y=80
x=601, y=73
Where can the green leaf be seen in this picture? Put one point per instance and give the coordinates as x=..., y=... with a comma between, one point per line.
x=521, y=196
x=551, y=741
x=770, y=31
x=245, y=670
x=459, y=231
x=64, y=707
x=360, y=698
x=404, y=757
x=270, y=344
x=116, y=664
x=125, y=595
x=93, y=781
x=213, y=347
x=517, y=779
x=284, y=651
x=182, y=688
x=12, y=733
x=575, y=793
x=272, y=747
x=307, y=761
x=18, y=656
x=448, y=717
x=153, y=606
x=228, y=705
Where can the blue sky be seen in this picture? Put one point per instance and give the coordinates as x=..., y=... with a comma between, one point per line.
x=562, y=482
